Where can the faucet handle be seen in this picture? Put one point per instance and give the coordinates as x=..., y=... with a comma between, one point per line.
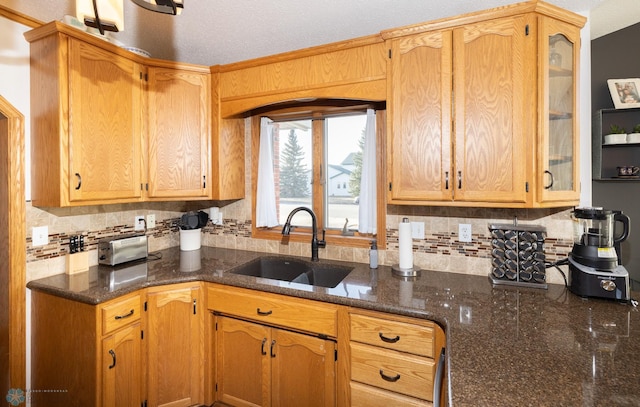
x=322, y=243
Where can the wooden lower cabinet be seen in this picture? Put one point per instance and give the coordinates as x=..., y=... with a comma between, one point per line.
x=150, y=348
x=122, y=367
x=257, y=365
x=392, y=359
x=367, y=396
x=86, y=355
x=175, y=345
x=117, y=353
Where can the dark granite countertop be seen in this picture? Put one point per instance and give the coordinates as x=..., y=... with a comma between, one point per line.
x=506, y=346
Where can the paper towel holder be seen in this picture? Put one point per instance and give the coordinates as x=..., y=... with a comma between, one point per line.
x=398, y=271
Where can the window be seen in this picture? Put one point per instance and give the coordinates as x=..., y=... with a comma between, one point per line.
x=317, y=160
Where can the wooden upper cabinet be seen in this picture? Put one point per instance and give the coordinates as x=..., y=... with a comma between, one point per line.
x=104, y=125
x=480, y=157
x=109, y=126
x=489, y=101
x=478, y=117
x=420, y=117
x=558, y=163
x=85, y=123
x=179, y=133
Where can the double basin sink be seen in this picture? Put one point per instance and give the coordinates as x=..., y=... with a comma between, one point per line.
x=294, y=271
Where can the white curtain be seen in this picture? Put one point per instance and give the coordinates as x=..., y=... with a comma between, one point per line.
x=266, y=213
x=368, y=198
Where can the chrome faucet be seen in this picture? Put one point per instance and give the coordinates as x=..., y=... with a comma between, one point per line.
x=315, y=243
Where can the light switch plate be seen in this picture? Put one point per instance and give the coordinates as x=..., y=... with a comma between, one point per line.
x=40, y=236
x=417, y=230
x=151, y=221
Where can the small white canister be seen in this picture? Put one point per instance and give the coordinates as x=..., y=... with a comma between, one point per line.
x=190, y=239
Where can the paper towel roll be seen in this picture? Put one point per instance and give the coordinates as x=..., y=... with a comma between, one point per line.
x=405, y=244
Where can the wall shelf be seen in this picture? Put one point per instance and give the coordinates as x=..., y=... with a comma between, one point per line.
x=607, y=157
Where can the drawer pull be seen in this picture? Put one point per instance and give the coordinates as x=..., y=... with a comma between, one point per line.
x=389, y=378
x=113, y=358
x=262, y=351
x=117, y=317
x=387, y=339
x=263, y=313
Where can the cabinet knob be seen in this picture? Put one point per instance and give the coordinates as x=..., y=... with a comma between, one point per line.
x=79, y=181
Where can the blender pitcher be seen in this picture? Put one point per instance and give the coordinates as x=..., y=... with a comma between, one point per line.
x=594, y=242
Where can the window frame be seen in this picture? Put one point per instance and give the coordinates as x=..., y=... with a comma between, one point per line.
x=317, y=115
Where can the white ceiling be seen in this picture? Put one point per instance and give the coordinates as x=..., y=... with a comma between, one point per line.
x=211, y=32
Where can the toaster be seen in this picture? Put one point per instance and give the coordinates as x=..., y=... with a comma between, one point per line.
x=122, y=249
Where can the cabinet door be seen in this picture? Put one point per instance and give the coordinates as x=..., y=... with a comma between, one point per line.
x=104, y=125
x=558, y=167
x=243, y=363
x=303, y=370
x=179, y=133
x=490, y=132
x=420, y=117
x=175, y=318
x=122, y=368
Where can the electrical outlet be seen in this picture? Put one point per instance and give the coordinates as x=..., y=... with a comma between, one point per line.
x=40, y=236
x=138, y=224
x=464, y=232
x=151, y=221
x=417, y=230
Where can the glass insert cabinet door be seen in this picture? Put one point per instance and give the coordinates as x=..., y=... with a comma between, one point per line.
x=559, y=168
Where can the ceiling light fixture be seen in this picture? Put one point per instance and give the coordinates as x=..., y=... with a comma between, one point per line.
x=162, y=6
x=105, y=15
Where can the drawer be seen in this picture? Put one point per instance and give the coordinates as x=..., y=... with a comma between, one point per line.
x=274, y=309
x=119, y=313
x=400, y=336
x=367, y=396
x=394, y=371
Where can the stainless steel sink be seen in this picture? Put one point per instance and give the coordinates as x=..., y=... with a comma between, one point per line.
x=294, y=270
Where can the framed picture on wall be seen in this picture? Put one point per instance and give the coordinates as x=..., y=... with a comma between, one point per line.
x=625, y=92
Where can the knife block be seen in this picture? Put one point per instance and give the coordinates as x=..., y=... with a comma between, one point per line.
x=77, y=262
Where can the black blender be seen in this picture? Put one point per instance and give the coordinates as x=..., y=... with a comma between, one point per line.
x=594, y=265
